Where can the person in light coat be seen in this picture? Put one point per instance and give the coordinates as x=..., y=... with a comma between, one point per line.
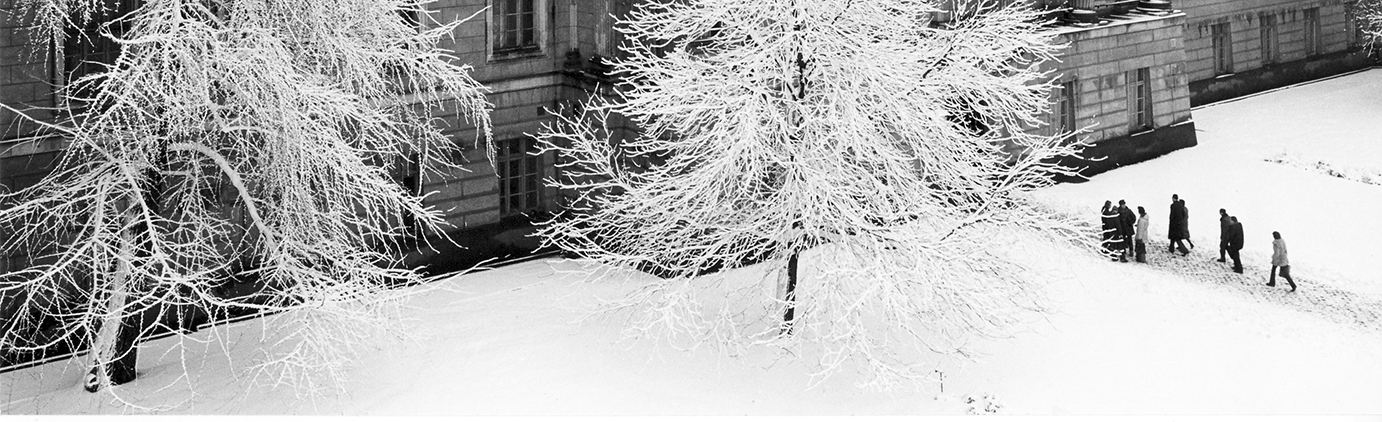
x=1143, y=232
x=1279, y=261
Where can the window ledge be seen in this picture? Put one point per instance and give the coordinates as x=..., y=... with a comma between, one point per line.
x=516, y=54
x=1141, y=131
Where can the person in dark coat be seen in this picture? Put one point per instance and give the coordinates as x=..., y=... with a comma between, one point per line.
x=1185, y=224
x=1173, y=226
x=1179, y=229
x=1235, y=243
x=1223, y=233
x=1127, y=225
x=1279, y=261
x=1109, y=218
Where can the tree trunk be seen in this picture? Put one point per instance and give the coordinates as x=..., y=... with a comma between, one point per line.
x=798, y=122
x=790, y=315
x=116, y=349
x=113, y=358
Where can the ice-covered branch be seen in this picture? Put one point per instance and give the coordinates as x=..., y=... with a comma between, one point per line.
x=236, y=143
x=1367, y=14
x=886, y=153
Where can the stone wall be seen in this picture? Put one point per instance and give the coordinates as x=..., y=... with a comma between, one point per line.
x=25, y=84
x=1099, y=59
x=1337, y=44
x=522, y=88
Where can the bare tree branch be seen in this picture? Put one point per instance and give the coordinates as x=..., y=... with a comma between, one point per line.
x=887, y=154
x=293, y=107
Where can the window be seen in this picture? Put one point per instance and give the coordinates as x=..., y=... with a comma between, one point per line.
x=405, y=172
x=1223, y=48
x=1139, y=100
x=1312, y=31
x=1269, y=50
x=520, y=176
x=514, y=26
x=1065, y=108
x=85, y=51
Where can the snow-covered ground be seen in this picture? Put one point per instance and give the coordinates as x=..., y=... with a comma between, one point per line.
x=1331, y=225
x=1180, y=336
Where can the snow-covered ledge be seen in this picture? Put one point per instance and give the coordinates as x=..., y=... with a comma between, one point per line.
x=1117, y=24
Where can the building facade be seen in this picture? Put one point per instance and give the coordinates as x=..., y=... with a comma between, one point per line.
x=1128, y=78
x=1133, y=70
x=534, y=56
x=1122, y=84
x=1238, y=47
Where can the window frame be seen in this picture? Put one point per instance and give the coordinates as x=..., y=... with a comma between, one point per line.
x=1221, y=43
x=1066, y=103
x=529, y=195
x=495, y=30
x=1269, y=34
x=1140, y=113
x=1311, y=33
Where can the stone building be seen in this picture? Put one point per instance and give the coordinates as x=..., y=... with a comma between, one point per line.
x=1134, y=69
x=1130, y=76
x=552, y=57
x=1238, y=47
x=534, y=56
x=1122, y=82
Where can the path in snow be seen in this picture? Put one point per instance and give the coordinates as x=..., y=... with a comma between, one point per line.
x=1314, y=295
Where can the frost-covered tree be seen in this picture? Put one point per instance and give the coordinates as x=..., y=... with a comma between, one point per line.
x=236, y=140
x=1368, y=15
x=875, y=158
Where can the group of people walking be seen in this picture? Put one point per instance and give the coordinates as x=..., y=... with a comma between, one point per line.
x=1125, y=233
